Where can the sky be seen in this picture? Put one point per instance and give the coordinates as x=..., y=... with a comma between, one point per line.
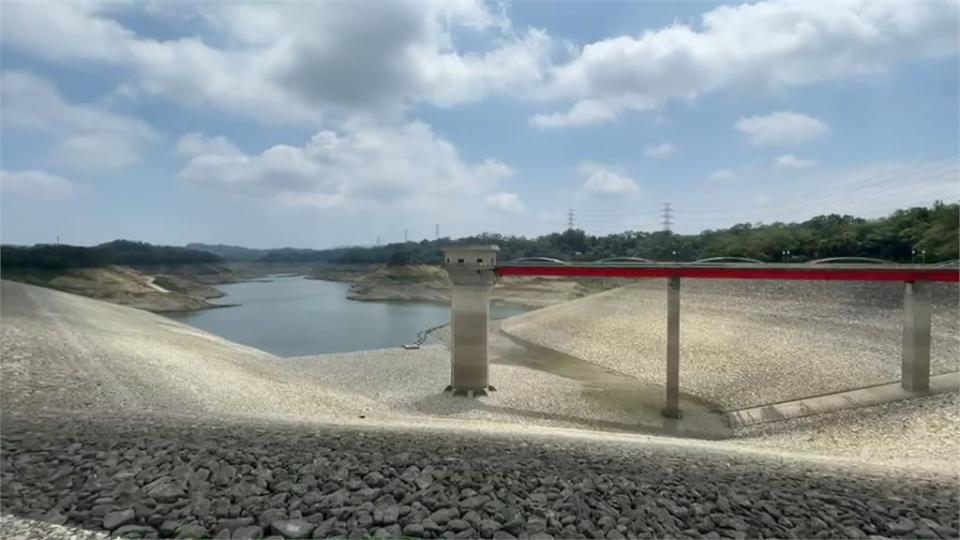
x=321, y=124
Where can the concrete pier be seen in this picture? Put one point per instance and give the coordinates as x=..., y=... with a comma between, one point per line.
x=915, y=367
x=672, y=405
x=472, y=273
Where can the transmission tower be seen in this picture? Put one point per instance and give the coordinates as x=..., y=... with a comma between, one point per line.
x=436, y=231
x=404, y=236
x=667, y=217
x=570, y=219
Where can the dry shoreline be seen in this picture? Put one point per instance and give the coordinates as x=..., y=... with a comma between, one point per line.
x=185, y=288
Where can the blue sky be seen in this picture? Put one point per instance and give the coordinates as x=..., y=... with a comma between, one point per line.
x=323, y=124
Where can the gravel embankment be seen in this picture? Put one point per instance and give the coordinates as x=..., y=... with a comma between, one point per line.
x=61, y=351
x=295, y=481
x=411, y=383
x=918, y=433
x=118, y=420
x=748, y=343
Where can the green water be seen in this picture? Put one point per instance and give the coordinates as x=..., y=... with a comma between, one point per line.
x=292, y=316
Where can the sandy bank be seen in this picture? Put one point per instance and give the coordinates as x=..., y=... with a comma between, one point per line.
x=431, y=284
x=157, y=292
x=748, y=343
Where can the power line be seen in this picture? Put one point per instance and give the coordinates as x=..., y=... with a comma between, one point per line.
x=667, y=217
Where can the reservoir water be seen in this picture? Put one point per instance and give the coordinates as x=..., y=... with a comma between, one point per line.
x=292, y=316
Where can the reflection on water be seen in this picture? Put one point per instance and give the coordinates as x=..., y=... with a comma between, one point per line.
x=292, y=316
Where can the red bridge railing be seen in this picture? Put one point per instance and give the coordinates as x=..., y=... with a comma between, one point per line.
x=803, y=271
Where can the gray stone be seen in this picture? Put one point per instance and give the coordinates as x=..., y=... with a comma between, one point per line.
x=137, y=530
x=444, y=515
x=55, y=517
x=224, y=475
x=374, y=479
x=168, y=528
x=292, y=528
x=503, y=535
x=424, y=480
x=192, y=531
x=901, y=527
x=386, y=515
x=488, y=527
x=248, y=533
x=166, y=492
x=201, y=507
x=474, y=502
x=270, y=515
x=853, y=532
x=236, y=523
x=457, y=525
x=115, y=519
x=536, y=524
x=416, y=530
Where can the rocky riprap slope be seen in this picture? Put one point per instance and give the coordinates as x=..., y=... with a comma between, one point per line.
x=141, y=479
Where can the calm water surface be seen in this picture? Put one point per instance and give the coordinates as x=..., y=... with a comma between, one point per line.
x=292, y=316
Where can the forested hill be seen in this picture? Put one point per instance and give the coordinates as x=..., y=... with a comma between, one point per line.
x=932, y=230
x=120, y=252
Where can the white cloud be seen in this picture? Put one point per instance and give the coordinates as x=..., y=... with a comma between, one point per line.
x=68, y=32
x=780, y=128
x=761, y=45
x=85, y=137
x=296, y=62
x=662, y=150
x=36, y=185
x=300, y=62
x=582, y=114
x=195, y=144
x=790, y=161
x=407, y=165
x=723, y=175
x=505, y=202
x=602, y=180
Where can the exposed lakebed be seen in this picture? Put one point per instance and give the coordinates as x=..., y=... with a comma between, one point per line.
x=292, y=316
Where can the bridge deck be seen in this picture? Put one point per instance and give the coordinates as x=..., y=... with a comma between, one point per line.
x=811, y=272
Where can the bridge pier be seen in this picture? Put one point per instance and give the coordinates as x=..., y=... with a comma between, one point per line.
x=472, y=272
x=915, y=366
x=672, y=406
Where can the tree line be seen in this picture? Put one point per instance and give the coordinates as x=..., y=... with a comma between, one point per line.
x=119, y=252
x=920, y=234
